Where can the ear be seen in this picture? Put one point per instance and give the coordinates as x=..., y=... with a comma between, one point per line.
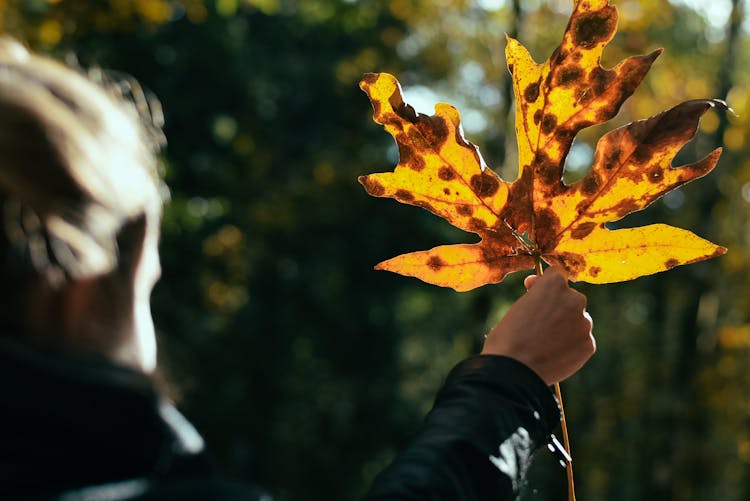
x=96, y=312
x=130, y=241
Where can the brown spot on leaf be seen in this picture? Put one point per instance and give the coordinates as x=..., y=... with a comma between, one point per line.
x=573, y=263
x=583, y=230
x=590, y=183
x=408, y=158
x=655, y=175
x=537, y=116
x=671, y=263
x=558, y=56
x=510, y=68
x=548, y=171
x=625, y=206
x=642, y=154
x=372, y=186
x=517, y=209
x=414, y=138
x=446, y=173
x=464, y=210
x=546, y=227
x=594, y=271
x=435, y=263
x=370, y=78
x=565, y=135
x=601, y=79
x=594, y=27
x=477, y=224
x=569, y=75
x=531, y=93
x=608, y=109
x=434, y=129
x=484, y=184
x=403, y=196
x=611, y=158
x=446, y=191
x=549, y=122
x=584, y=95
x=376, y=106
x=405, y=111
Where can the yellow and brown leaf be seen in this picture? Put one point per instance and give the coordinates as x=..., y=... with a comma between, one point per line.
x=538, y=216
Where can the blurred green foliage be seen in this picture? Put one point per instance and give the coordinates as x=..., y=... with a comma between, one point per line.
x=306, y=370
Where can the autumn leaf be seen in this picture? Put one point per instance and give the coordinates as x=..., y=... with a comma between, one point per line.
x=538, y=216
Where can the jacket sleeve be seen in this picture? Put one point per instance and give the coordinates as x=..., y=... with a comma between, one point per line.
x=490, y=416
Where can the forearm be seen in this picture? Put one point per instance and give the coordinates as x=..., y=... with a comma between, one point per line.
x=489, y=417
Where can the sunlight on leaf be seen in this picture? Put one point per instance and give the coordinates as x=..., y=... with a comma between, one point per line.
x=439, y=170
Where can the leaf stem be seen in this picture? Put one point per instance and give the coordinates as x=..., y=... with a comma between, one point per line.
x=566, y=443
x=563, y=422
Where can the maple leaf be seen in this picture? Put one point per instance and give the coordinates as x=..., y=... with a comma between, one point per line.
x=538, y=216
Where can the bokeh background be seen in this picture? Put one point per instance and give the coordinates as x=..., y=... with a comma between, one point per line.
x=305, y=369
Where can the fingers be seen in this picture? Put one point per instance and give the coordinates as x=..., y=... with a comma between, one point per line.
x=554, y=278
x=558, y=278
x=553, y=273
x=556, y=275
x=548, y=328
x=555, y=282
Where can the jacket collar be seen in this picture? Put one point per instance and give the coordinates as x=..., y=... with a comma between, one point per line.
x=68, y=420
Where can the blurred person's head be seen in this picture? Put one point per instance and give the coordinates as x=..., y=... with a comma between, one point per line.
x=80, y=205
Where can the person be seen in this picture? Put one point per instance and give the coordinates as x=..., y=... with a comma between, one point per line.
x=80, y=205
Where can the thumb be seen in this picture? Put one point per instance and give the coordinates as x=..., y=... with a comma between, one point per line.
x=529, y=281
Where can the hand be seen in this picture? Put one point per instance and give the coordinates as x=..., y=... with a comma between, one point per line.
x=548, y=328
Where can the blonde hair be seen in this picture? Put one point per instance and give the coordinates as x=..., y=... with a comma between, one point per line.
x=77, y=163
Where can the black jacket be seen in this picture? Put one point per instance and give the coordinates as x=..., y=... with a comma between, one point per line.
x=476, y=442
x=76, y=428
